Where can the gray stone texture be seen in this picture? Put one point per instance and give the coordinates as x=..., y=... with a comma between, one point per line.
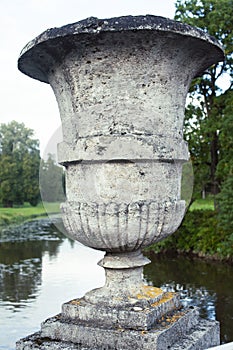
x=156, y=320
x=121, y=86
x=120, y=338
x=139, y=314
x=186, y=333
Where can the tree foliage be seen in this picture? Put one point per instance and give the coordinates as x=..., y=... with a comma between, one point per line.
x=225, y=170
x=19, y=165
x=205, y=116
x=209, y=132
x=225, y=165
x=199, y=234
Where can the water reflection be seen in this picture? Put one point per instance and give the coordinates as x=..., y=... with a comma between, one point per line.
x=40, y=269
x=21, y=268
x=21, y=264
x=207, y=284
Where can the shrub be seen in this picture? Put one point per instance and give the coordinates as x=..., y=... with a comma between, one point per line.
x=200, y=234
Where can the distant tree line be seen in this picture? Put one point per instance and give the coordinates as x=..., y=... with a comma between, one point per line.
x=21, y=165
x=208, y=123
x=209, y=115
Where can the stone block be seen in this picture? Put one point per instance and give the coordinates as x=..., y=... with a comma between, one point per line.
x=165, y=332
x=135, y=316
x=189, y=332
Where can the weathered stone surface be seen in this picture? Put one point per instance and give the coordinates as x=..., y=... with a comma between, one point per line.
x=120, y=338
x=135, y=315
x=121, y=86
x=205, y=334
x=28, y=62
x=103, y=226
x=188, y=332
x=132, y=146
x=35, y=342
x=116, y=86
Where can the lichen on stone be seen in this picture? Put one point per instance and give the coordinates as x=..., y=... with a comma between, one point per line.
x=149, y=292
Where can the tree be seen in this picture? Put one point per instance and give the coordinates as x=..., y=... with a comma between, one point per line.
x=30, y=169
x=225, y=165
x=19, y=165
x=225, y=170
x=51, y=180
x=204, y=115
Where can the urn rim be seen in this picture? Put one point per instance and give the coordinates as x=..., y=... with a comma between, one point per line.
x=95, y=26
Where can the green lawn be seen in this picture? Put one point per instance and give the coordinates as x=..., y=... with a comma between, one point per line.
x=203, y=204
x=19, y=214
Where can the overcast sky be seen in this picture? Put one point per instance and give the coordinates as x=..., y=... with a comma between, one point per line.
x=27, y=100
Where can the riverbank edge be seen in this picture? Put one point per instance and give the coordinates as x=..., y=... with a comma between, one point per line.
x=17, y=216
x=149, y=252
x=21, y=215
x=200, y=234
x=20, y=219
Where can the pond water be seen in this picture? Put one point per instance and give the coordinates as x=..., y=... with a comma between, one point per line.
x=40, y=269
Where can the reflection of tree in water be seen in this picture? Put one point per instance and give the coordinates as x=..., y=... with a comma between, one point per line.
x=21, y=266
x=206, y=284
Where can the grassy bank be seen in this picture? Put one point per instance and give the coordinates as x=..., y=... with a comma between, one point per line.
x=17, y=215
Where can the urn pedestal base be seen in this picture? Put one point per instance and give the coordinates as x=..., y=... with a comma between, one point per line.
x=157, y=323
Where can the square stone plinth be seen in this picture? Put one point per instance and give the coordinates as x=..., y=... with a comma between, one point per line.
x=164, y=334
x=156, y=323
x=135, y=316
x=203, y=335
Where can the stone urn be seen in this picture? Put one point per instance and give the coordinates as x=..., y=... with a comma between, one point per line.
x=121, y=87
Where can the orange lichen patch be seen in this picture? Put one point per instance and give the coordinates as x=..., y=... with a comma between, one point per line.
x=144, y=332
x=75, y=302
x=168, y=320
x=175, y=317
x=149, y=292
x=166, y=297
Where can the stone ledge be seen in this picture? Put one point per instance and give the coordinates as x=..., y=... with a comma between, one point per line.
x=35, y=342
x=134, y=317
x=161, y=337
x=206, y=333
x=108, y=147
x=33, y=59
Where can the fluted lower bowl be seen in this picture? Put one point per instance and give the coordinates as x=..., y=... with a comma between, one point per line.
x=114, y=227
